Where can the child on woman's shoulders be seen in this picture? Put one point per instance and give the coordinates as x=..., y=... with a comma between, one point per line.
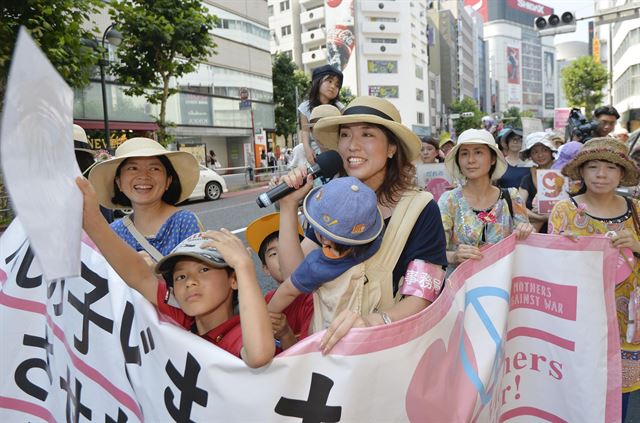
x=348, y=224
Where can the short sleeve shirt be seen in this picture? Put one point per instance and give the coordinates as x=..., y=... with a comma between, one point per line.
x=178, y=227
x=462, y=225
x=227, y=335
x=513, y=176
x=299, y=314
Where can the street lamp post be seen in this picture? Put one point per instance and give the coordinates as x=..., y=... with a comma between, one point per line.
x=114, y=37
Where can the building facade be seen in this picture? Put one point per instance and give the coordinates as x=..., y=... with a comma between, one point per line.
x=522, y=65
x=206, y=111
x=625, y=63
x=381, y=47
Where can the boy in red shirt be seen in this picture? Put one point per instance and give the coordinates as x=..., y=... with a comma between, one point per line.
x=203, y=272
x=293, y=323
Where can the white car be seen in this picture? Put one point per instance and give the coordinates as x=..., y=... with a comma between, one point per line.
x=210, y=186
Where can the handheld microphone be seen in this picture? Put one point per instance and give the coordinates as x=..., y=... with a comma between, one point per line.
x=327, y=164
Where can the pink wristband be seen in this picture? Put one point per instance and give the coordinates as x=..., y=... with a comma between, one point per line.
x=423, y=280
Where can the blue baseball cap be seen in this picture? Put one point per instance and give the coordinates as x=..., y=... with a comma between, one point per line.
x=345, y=211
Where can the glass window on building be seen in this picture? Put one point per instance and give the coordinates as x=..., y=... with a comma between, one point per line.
x=270, y=8
x=419, y=72
x=419, y=94
x=420, y=118
x=284, y=5
x=285, y=30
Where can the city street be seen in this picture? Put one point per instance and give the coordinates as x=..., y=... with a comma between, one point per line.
x=234, y=211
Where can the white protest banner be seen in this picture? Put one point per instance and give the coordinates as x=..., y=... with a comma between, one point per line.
x=433, y=177
x=530, y=125
x=38, y=162
x=552, y=187
x=507, y=339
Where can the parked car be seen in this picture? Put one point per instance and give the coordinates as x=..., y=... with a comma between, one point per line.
x=210, y=186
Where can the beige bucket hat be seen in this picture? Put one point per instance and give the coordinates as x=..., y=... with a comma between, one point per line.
x=103, y=174
x=608, y=150
x=475, y=136
x=368, y=109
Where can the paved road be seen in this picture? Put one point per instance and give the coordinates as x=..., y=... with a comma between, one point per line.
x=234, y=211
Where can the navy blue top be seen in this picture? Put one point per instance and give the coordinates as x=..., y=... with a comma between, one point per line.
x=513, y=176
x=426, y=242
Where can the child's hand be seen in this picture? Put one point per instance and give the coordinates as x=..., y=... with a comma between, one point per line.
x=230, y=247
x=90, y=209
x=280, y=325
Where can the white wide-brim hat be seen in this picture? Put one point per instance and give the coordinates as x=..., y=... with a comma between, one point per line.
x=535, y=138
x=367, y=109
x=103, y=174
x=475, y=136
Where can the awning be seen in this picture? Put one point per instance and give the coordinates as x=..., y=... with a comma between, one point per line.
x=117, y=124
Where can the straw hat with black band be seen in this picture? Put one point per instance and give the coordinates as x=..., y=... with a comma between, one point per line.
x=103, y=174
x=608, y=150
x=478, y=137
x=367, y=109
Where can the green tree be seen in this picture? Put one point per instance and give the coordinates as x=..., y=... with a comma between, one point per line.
x=58, y=27
x=345, y=95
x=466, y=105
x=286, y=78
x=512, y=117
x=162, y=39
x=582, y=83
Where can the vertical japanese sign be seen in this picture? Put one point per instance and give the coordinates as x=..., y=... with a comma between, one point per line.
x=513, y=69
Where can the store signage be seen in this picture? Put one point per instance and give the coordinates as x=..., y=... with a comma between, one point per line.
x=530, y=7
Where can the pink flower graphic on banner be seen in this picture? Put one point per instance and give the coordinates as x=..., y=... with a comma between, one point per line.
x=440, y=366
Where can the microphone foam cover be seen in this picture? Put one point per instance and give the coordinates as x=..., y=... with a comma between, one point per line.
x=330, y=163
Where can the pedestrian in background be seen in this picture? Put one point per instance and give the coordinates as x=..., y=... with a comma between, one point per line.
x=540, y=149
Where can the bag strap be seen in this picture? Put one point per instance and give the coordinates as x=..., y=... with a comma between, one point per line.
x=144, y=243
x=507, y=197
x=396, y=234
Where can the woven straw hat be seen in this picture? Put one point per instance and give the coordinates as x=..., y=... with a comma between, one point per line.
x=475, y=136
x=103, y=174
x=606, y=149
x=367, y=109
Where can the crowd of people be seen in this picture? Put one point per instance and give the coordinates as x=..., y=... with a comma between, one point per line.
x=365, y=230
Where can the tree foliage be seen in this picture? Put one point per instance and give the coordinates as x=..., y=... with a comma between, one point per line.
x=162, y=39
x=346, y=96
x=286, y=78
x=512, y=117
x=58, y=27
x=582, y=83
x=463, y=123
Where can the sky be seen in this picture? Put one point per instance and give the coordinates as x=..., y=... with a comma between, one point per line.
x=581, y=8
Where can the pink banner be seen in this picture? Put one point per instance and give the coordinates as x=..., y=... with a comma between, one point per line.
x=506, y=338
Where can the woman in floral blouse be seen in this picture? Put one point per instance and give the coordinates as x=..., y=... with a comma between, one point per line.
x=602, y=165
x=478, y=213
